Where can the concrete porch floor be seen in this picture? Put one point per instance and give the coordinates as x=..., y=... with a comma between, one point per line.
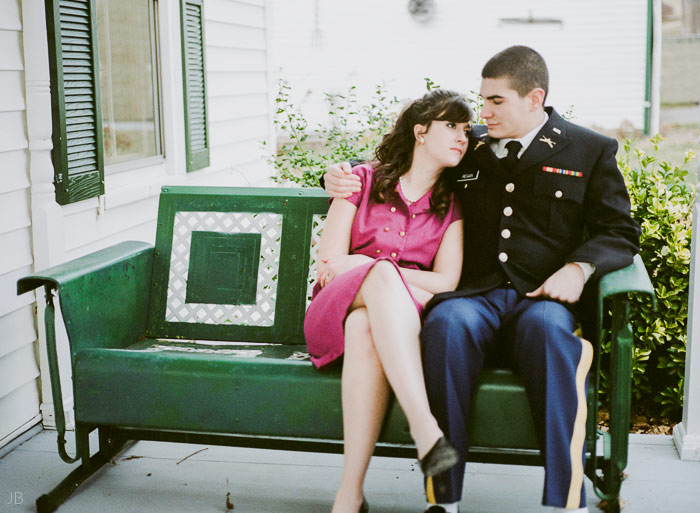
x=154, y=477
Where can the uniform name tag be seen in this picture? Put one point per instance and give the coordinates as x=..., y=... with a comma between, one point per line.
x=468, y=177
x=577, y=174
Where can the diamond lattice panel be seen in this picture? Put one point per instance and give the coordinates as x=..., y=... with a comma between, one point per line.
x=316, y=231
x=262, y=313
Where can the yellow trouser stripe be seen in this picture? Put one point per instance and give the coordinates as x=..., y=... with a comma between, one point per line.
x=578, y=436
x=429, y=492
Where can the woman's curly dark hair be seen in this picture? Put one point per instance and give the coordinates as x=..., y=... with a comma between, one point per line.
x=395, y=152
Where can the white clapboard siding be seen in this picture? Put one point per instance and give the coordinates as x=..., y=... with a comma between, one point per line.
x=18, y=410
x=235, y=13
x=13, y=129
x=14, y=174
x=223, y=83
x=17, y=250
x=81, y=230
x=234, y=36
x=596, y=55
x=12, y=86
x=18, y=329
x=14, y=210
x=230, y=131
x=9, y=300
x=19, y=369
x=237, y=106
x=235, y=59
x=238, y=88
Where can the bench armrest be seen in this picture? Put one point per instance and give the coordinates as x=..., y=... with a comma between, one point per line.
x=616, y=287
x=104, y=295
x=104, y=300
x=633, y=278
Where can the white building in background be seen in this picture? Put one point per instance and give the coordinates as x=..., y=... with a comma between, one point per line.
x=597, y=51
x=108, y=180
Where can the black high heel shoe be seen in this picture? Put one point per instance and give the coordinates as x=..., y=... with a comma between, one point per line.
x=443, y=456
x=364, y=507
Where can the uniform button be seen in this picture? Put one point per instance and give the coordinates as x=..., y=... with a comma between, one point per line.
x=393, y=255
x=558, y=194
x=393, y=209
x=401, y=234
x=466, y=185
x=503, y=257
x=505, y=234
x=379, y=251
x=386, y=229
x=507, y=211
x=510, y=187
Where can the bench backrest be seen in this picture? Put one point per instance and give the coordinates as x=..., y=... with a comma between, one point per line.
x=234, y=264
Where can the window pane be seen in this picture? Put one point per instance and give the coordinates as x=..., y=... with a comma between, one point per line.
x=128, y=83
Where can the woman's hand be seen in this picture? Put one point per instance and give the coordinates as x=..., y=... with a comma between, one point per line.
x=421, y=295
x=330, y=268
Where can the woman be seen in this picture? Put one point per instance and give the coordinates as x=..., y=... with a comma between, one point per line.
x=384, y=252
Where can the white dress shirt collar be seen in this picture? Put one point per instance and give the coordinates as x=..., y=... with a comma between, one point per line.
x=499, y=147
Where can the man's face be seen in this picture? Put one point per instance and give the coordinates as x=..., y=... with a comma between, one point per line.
x=507, y=114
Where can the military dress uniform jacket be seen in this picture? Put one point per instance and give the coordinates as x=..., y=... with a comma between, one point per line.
x=565, y=201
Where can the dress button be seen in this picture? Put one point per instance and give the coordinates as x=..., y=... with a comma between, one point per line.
x=507, y=211
x=386, y=229
x=413, y=216
x=510, y=187
x=505, y=234
x=401, y=234
x=393, y=255
x=393, y=209
x=503, y=257
x=558, y=194
x=379, y=251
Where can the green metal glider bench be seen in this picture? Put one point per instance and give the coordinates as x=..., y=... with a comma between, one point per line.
x=200, y=340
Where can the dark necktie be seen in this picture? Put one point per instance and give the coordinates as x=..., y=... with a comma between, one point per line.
x=510, y=160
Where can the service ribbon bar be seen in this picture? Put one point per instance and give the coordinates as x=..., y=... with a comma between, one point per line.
x=558, y=171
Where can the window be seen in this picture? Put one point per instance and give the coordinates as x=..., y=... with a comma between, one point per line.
x=130, y=99
x=105, y=99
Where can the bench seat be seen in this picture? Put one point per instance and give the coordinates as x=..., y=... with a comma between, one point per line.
x=257, y=389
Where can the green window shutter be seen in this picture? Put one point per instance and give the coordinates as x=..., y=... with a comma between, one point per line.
x=195, y=89
x=75, y=100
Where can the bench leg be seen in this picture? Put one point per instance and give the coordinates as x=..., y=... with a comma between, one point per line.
x=109, y=447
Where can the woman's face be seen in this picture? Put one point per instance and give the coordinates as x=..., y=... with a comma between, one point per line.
x=445, y=141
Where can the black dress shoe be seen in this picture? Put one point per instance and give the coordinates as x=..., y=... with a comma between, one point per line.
x=435, y=509
x=443, y=456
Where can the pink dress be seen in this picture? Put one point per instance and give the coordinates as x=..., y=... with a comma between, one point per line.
x=404, y=233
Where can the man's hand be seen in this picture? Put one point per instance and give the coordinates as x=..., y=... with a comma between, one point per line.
x=340, y=182
x=565, y=285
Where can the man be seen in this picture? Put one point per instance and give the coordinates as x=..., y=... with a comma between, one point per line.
x=545, y=209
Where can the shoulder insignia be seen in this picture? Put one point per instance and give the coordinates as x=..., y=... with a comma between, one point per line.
x=478, y=145
x=556, y=130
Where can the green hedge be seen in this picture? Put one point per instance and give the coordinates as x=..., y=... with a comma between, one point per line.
x=662, y=200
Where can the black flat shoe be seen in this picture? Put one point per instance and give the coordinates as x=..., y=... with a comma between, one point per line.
x=364, y=507
x=443, y=456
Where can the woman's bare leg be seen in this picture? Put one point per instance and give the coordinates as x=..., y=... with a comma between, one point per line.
x=395, y=327
x=365, y=394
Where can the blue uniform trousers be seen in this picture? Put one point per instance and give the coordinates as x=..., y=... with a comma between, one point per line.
x=537, y=338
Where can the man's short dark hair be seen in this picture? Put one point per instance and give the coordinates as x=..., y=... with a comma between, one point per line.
x=523, y=66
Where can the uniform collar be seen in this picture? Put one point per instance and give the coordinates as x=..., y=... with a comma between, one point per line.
x=498, y=146
x=550, y=139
